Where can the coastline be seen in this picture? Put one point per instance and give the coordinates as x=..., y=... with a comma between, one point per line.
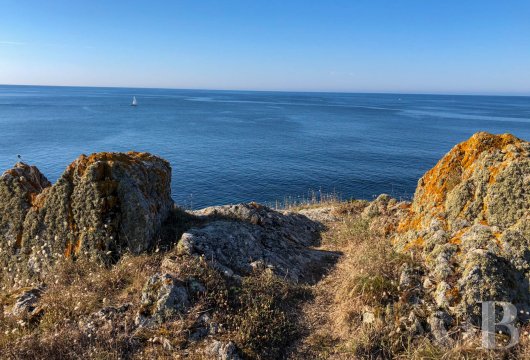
x=105, y=259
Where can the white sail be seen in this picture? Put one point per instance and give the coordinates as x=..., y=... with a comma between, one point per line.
x=134, y=101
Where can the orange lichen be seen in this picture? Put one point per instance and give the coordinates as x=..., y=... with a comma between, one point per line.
x=127, y=159
x=418, y=243
x=495, y=170
x=497, y=238
x=68, y=249
x=457, y=166
x=410, y=222
x=459, y=163
x=457, y=238
x=389, y=229
x=452, y=294
x=37, y=200
x=72, y=249
x=404, y=206
x=79, y=243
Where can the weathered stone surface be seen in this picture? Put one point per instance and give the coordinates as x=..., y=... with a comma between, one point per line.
x=19, y=188
x=470, y=219
x=26, y=303
x=219, y=350
x=162, y=297
x=204, y=326
x=384, y=214
x=439, y=322
x=320, y=214
x=103, y=319
x=242, y=238
x=290, y=225
x=103, y=204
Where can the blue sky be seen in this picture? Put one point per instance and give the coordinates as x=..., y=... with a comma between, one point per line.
x=415, y=46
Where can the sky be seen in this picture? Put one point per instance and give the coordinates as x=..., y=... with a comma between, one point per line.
x=405, y=46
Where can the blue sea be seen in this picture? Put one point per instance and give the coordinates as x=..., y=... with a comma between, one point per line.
x=240, y=146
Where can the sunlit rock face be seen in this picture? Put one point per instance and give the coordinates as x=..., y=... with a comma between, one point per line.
x=239, y=239
x=103, y=205
x=470, y=219
x=19, y=188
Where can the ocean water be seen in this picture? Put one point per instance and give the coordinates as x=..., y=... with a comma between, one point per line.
x=238, y=146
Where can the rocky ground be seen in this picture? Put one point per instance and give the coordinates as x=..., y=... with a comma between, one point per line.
x=102, y=264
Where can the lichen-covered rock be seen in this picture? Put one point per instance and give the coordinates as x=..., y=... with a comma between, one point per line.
x=242, y=238
x=103, y=205
x=104, y=319
x=19, y=188
x=26, y=302
x=320, y=214
x=162, y=297
x=384, y=213
x=470, y=219
x=439, y=322
x=293, y=226
x=218, y=350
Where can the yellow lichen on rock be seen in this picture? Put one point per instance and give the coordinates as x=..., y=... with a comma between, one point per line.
x=104, y=203
x=468, y=211
x=483, y=155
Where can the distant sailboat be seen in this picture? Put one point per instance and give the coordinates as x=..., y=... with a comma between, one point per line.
x=134, y=103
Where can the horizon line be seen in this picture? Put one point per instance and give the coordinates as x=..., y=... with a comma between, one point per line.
x=383, y=92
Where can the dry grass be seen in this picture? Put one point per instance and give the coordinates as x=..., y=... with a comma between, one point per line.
x=258, y=313
x=365, y=281
x=266, y=316
x=314, y=198
x=73, y=292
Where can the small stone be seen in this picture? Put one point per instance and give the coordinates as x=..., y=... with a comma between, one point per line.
x=368, y=317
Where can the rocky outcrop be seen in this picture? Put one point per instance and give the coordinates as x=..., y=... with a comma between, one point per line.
x=384, y=213
x=289, y=225
x=239, y=239
x=470, y=221
x=162, y=297
x=103, y=204
x=19, y=188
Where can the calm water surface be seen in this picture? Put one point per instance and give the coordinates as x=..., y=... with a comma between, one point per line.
x=234, y=146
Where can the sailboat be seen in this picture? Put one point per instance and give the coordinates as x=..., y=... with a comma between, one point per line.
x=134, y=103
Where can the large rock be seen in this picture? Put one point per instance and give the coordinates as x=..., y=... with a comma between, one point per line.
x=103, y=204
x=470, y=218
x=239, y=239
x=19, y=188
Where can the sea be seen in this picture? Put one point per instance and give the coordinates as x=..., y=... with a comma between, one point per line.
x=275, y=148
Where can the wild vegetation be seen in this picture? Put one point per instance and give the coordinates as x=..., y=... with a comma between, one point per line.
x=321, y=279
